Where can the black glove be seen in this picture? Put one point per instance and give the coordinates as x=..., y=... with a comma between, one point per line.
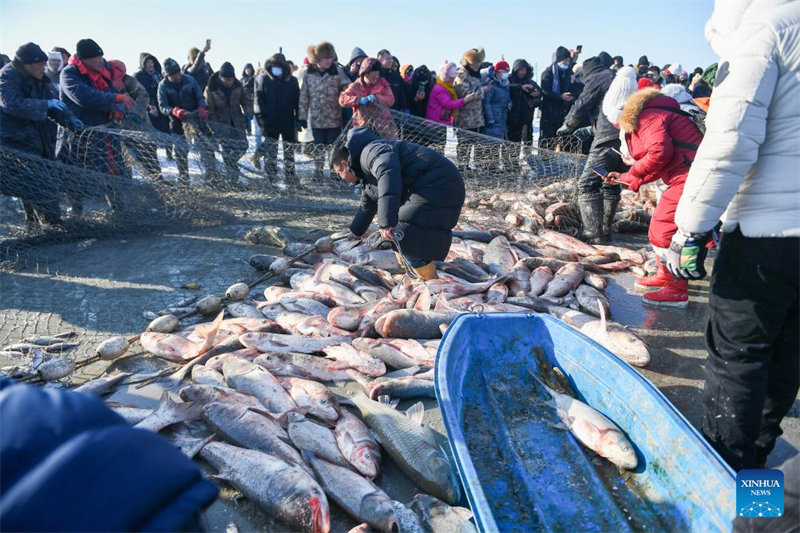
x=302, y=124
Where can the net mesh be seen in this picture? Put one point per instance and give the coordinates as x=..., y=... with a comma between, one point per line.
x=126, y=219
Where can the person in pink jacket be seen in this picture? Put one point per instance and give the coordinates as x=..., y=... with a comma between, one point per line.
x=444, y=104
x=371, y=97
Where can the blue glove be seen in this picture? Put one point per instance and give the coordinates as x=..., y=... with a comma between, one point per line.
x=371, y=98
x=119, y=107
x=686, y=256
x=76, y=124
x=57, y=105
x=563, y=130
x=364, y=100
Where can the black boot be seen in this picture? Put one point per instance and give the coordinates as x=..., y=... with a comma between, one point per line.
x=591, y=219
x=609, y=210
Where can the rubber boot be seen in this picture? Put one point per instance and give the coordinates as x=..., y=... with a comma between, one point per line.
x=674, y=294
x=657, y=280
x=609, y=210
x=591, y=209
x=427, y=272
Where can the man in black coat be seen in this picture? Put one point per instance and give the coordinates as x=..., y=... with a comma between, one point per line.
x=276, y=105
x=395, y=80
x=525, y=94
x=597, y=200
x=27, y=103
x=558, y=94
x=411, y=188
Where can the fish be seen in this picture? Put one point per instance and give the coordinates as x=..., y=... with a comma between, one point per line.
x=373, y=276
x=305, y=305
x=46, y=340
x=566, y=242
x=101, y=385
x=382, y=259
x=243, y=426
x=591, y=299
x=357, y=444
x=402, y=388
x=305, y=366
x=203, y=375
x=179, y=349
x=355, y=359
x=389, y=303
x=359, y=497
x=617, y=266
x=243, y=310
x=369, y=293
x=594, y=280
x=169, y=412
x=566, y=279
x=540, y=279
x=540, y=305
x=406, y=324
x=471, y=268
x=499, y=257
x=187, y=443
x=316, y=396
x=289, y=320
x=519, y=281
x=384, y=350
x=262, y=262
x=215, y=363
x=336, y=271
x=592, y=428
x=205, y=394
x=450, y=268
x=407, y=519
x=129, y=412
x=412, y=445
x=312, y=437
x=601, y=259
x=632, y=257
x=277, y=343
x=317, y=326
x=348, y=318
x=283, y=490
x=249, y=377
x=480, y=236
x=438, y=517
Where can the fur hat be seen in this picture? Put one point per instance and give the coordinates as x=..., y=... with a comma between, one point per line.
x=622, y=87
x=323, y=50
x=473, y=55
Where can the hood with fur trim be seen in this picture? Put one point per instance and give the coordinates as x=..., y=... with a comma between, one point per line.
x=278, y=60
x=629, y=120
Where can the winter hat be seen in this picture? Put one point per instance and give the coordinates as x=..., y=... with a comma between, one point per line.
x=118, y=71
x=171, y=67
x=61, y=50
x=562, y=54
x=710, y=74
x=227, y=70
x=502, y=65
x=30, y=53
x=357, y=53
x=305, y=61
x=618, y=60
x=606, y=59
x=622, y=87
x=644, y=61
x=56, y=56
x=697, y=70
x=678, y=92
x=87, y=48
x=445, y=67
x=473, y=55
x=676, y=70
x=645, y=83
x=324, y=50
x=406, y=70
x=370, y=64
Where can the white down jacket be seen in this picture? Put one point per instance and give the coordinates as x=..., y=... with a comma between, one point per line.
x=748, y=165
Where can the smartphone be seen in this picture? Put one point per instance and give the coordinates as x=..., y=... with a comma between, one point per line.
x=600, y=171
x=208, y=42
x=579, y=49
x=617, y=152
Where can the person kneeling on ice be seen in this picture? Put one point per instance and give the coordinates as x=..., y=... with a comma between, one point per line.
x=411, y=188
x=662, y=141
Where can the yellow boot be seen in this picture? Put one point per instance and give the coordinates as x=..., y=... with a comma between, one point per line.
x=427, y=272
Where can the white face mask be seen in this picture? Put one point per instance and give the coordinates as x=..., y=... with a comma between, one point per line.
x=504, y=77
x=276, y=71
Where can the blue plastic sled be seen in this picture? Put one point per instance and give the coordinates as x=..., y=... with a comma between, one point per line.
x=523, y=471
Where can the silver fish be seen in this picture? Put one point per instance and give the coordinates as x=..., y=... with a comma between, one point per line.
x=169, y=412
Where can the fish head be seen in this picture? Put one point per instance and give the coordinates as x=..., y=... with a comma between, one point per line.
x=379, y=512
x=326, y=407
x=618, y=449
x=443, y=469
x=235, y=366
x=320, y=511
x=367, y=460
x=629, y=347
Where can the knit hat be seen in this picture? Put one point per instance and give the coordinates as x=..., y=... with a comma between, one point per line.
x=227, y=70
x=87, y=48
x=30, y=53
x=357, y=53
x=502, y=65
x=643, y=61
x=444, y=68
x=171, y=67
x=606, y=59
x=622, y=87
x=370, y=64
x=678, y=92
x=644, y=83
x=618, y=60
x=562, y=54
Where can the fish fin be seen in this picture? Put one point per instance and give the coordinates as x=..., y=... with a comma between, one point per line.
x=388, y=402
x=220, y=477
x=603, y=322
x=376, y=437
x=463, y=513
x=416, y=412
x=211, y=335
x=308, y=456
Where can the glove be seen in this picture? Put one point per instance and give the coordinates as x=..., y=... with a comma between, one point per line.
x=117, y=116
x=583, y=133
x=180, y=114
x=125, y=100
x=302, y=124
x=364, y=100
x=133, y=117
x=57, y=105
x=563, y=130
x=76, y=124
x=371, y=98
x=201, y=111
x=686, y=256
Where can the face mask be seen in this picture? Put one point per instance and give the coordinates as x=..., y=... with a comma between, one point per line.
x=276, y=71
x=504, y=77
x=562, y=66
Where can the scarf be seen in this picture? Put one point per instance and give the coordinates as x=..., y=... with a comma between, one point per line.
x=100, y=80
x=451, y=91
x=556, y=80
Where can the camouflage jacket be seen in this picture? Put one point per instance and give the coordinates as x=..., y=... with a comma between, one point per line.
x=471, y=115
x=319, y=96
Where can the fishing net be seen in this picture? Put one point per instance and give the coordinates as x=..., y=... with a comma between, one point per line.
x=128, y=219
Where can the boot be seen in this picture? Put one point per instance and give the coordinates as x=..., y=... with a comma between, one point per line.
x=256, y=162
x=657, y=280
x=591, y=209
x=674, y=294
x=427, y=272
x=609, y=210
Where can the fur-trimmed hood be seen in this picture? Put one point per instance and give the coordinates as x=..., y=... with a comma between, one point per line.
x=629, y=120
x=278, y=60
x=323, y=50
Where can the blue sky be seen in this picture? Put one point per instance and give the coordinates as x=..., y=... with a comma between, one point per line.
x=415, y=31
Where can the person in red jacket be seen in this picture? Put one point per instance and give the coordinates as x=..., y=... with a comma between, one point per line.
x=371, y=97
x=662, y=141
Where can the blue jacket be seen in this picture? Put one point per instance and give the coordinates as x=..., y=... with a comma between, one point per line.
x=25, y=122
x=70, y=463
x=185, y=94
x=93, y=107
x=496, y=104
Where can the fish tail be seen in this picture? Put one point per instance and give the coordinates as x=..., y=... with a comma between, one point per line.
x=177, y=412
x=211, y=336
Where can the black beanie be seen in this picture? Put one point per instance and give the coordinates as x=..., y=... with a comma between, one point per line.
x=30, y=53
x=605, y=59
x=171, y=67
x=644, y=61
x=227, y=71
x=618, y=60
x=87, y=48
x=561, y=54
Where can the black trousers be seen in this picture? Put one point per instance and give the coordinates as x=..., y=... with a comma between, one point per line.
x=590, y=185
x=752, y=371
x=288, y=134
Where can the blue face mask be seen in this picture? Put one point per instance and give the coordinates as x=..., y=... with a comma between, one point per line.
x=562, y=66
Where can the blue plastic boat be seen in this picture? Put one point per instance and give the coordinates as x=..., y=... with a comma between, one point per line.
x=523, y=471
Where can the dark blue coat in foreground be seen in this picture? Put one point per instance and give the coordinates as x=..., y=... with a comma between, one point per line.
x=70, y=463
x=411, y=188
